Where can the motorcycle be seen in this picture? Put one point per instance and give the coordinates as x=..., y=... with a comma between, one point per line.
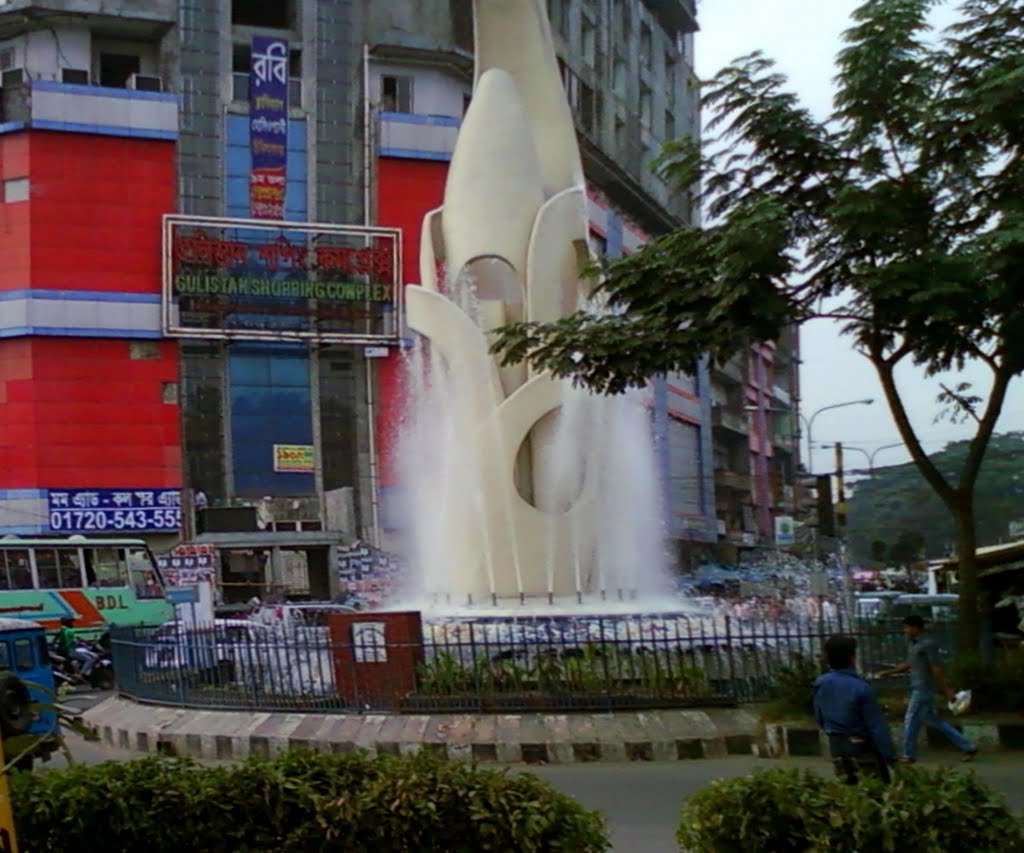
x=71, y=670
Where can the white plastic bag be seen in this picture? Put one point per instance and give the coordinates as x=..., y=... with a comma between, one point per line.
x=960, y=703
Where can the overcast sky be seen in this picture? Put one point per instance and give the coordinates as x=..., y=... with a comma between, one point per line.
x=803, y=36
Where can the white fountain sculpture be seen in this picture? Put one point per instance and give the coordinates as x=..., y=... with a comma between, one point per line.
x=510, y=467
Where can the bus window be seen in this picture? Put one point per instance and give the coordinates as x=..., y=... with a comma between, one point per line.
x=19, y=569
x=5, y=656
x=58, y=569
x=107, y=567
x=143, y=574
x=69, y=571
x=46, y=567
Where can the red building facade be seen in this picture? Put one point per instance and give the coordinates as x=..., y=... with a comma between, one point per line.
x=88, y=390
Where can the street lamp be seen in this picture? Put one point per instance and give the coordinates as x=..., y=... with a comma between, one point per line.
x=810, y=426
x=870, y=456
x=809, y=423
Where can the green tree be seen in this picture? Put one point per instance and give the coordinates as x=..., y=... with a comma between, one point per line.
x=901, y=215
x=896, y=502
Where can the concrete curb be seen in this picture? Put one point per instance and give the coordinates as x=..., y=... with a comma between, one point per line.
x=799, y=739
x=496, y=738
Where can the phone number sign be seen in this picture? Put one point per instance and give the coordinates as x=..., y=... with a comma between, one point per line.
x=114, y=510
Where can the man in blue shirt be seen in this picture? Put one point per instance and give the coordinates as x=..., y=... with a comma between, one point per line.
x=926, y=678
x=848, y=711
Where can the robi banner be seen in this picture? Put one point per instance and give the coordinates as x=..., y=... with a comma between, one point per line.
x=268, y=127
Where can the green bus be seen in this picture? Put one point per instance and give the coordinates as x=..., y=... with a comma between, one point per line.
x=97, y=582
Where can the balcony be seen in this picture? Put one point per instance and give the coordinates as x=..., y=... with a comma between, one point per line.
x=727, y=419
x=726, y=479
x=48, y=105
x=733, y=371
x=418, y=136
x=675, y=15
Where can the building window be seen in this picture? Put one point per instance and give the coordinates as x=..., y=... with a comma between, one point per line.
x=77, y=76
x=15, y=189
x=588, y=41
x=619, y=77
x=586, y=107
x=620, y=134
x=272, y=14
x=598, y=243
x=622, y=15
x=116, y=68
x=646, y=45
x=646, y=102
x=670, y=77
x=670, y=125
x=396, y=94
x=558, y=13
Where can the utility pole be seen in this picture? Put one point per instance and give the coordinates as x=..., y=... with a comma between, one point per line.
x=841, y=532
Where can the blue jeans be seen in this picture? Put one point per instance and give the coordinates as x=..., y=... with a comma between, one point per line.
x=921, y=712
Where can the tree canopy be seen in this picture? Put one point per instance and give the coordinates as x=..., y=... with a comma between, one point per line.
x=896, y=508
x=901, y=215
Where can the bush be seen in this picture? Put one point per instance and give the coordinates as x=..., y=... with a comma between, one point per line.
x=785, y=811
x=301, y=801
x=793, y=693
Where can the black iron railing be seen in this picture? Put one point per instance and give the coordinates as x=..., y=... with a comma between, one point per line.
x=599, y=663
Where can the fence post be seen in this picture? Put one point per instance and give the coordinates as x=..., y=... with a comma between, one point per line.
x=728, y=650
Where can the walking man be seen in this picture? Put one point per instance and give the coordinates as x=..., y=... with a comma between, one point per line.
x=926, y=677
x=848, y=712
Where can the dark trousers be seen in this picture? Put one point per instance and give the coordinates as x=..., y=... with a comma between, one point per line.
x=855, y=759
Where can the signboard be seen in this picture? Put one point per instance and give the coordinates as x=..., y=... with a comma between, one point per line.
x=268, y=127
x=294, y=458
x=246, y=279
x=188, y=564
x=114, y=510
x=182, y=595
x=785, y=530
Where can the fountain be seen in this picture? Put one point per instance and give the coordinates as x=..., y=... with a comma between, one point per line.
x=522, y=489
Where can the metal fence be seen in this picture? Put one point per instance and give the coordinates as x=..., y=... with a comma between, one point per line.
x=595, y=664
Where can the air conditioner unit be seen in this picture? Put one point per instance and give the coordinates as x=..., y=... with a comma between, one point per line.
x=78, y=76
x=13, y=77
x=145, y=83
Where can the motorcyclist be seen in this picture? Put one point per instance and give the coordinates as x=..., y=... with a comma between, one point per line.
x=64, y=644
x=73, y=651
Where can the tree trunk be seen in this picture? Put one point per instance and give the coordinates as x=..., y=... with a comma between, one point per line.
x=966, y=545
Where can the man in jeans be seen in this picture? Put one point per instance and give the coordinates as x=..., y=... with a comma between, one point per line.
x=926, y=677
x=848, y=711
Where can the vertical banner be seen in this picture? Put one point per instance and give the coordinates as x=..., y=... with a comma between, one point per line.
x=268, y=126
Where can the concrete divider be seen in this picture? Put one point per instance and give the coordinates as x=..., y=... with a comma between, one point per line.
x=501, y=738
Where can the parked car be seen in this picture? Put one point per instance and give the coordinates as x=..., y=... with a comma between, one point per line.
x=182, y=645
x=245, y=653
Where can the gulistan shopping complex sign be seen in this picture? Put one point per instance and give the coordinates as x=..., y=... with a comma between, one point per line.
x=246, y=279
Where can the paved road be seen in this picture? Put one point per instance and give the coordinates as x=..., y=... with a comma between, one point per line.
x=642, y=799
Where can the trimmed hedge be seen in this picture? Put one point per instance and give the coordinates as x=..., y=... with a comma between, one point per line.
x=792, y=811
x=300, y=801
